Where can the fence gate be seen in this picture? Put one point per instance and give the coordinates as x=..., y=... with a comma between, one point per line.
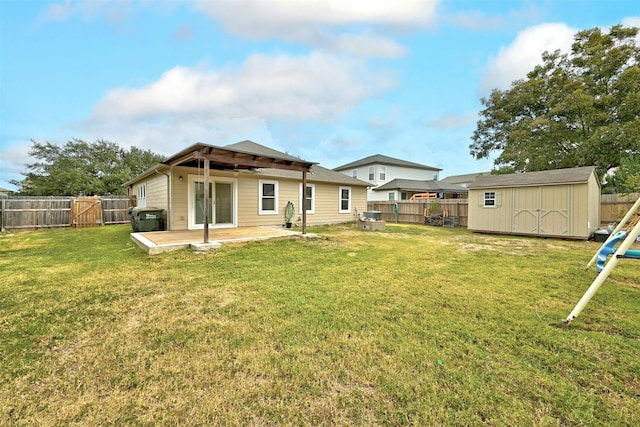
x=86, y=211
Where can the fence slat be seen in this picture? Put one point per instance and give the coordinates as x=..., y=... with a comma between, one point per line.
x=25, y=212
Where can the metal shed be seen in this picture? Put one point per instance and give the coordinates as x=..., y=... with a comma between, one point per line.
x=556, y=203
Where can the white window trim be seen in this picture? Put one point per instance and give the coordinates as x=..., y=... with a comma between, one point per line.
x=313, y=198
x=354, y=173
x=141, y=199
x=382, y=173
x=275, y=189
x=484, y=199
x=348, y=210
x=372, y=173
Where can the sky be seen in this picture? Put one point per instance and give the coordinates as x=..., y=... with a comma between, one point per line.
x=329, y=81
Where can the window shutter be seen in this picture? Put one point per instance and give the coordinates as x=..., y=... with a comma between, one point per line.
x=498, y=198
x=481, y=199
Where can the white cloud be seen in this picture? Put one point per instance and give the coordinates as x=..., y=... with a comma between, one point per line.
x=115, y=12
x=516, y=60
x=190, y=104
x=452, y=121
x=309, y=87
x=353, y=27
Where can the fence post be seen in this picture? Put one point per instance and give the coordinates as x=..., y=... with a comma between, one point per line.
x=4, y=214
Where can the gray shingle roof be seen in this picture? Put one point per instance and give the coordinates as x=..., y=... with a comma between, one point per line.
x=421, y=186
x=550, y=177
x=384, y=160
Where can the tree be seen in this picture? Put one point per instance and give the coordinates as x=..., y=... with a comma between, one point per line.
x=85, y=168
x=576, y=109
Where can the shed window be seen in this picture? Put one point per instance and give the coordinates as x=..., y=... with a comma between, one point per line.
x=490, y=199
x=345, y=199
x=268, y=197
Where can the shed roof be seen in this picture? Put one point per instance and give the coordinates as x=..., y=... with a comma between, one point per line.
x=527, y=179
x=421, y=186
x=466, y=178
x=384, y=160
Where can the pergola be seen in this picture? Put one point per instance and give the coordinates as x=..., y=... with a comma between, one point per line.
x=221, y=158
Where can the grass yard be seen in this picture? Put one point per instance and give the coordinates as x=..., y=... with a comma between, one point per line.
x=415, y=325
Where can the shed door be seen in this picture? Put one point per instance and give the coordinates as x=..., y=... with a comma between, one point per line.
x=525, y=210
x=554, y=210
x=541, y=210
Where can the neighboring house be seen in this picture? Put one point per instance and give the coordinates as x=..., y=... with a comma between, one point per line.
x=4, y=192
x=403, y=189
x=554, y=203
x=379, y=170
x=463, y=180
x=249, y=185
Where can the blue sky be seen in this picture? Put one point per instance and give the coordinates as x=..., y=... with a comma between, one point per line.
x=330, y=81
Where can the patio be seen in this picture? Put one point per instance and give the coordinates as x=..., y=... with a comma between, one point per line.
x=155, y=242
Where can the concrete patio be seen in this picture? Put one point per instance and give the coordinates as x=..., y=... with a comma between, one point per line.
x=155, y=242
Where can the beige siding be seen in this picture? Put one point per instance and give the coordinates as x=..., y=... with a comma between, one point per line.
x=327, y=198
x=493, y=219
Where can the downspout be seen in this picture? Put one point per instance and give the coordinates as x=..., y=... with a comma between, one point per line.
x=169, y=182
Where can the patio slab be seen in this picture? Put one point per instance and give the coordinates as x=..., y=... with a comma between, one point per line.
x=155, y=242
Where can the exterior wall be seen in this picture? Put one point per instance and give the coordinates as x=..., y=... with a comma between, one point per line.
x=327, y=199
x=392, y=172
x=493, y=219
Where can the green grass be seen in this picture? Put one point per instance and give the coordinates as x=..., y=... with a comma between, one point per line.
x=415, y=325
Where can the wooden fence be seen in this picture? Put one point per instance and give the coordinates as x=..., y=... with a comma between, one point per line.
x=47, y=212
x=612, y=208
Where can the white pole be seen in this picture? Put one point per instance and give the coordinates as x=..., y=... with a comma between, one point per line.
x=624, y=247
x=621, y=224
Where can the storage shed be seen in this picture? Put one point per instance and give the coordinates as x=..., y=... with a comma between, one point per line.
x=556, y=203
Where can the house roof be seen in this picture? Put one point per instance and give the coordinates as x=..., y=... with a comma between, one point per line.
x=251, y=157
x=550, y=177
x=421, y=186
x=461, y=179
x=384, y=160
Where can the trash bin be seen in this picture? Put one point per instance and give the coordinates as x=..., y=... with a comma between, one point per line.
x=601, y=235
x=146, y=219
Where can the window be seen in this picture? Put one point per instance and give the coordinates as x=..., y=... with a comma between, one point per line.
x=309, y=198
x=268, y=197
x=404, y=195
x=141, y=198
x=383, y=173
x=392, y=197
x=372, y=173
x=489, y=199
x=354, y=173
x=345, y=199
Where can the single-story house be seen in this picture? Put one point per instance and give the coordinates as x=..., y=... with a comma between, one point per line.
x=555, y=203
x=403, y=189
x=248, y=185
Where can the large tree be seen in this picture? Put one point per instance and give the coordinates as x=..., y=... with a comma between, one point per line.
x=574, y=109
x=79, y=167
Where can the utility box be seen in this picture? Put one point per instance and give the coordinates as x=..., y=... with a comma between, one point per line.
x=147, y=219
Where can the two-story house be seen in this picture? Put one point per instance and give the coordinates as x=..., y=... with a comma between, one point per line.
x=394, y=179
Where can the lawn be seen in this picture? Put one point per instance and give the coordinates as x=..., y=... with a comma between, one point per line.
x=415, y=325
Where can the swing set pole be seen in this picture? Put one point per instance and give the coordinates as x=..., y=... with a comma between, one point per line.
x=604, y=274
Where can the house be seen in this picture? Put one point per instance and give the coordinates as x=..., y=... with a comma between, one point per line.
x=403, y=189
x=379, y=170
x=5, y=193
x=463, y=180
x=555, y=203
x=248, y=185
